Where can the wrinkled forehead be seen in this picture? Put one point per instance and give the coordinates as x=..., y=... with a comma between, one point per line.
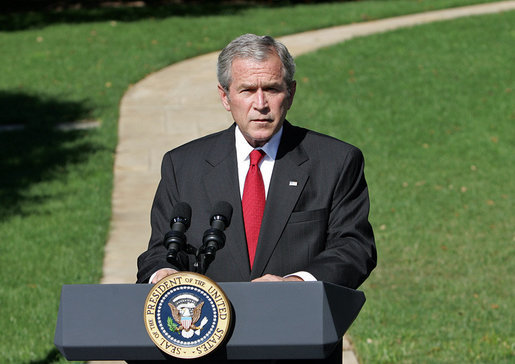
x=251, y=70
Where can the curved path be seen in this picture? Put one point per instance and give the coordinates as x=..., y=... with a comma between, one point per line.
x=181, y=103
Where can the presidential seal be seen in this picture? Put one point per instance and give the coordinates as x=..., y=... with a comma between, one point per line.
x=187, y=315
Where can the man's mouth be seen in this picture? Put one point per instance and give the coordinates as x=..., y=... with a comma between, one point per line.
x=262, y=120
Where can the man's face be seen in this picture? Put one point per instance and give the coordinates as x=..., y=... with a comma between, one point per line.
x=258, y=98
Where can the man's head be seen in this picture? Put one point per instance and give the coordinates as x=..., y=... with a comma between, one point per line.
x=256, y=85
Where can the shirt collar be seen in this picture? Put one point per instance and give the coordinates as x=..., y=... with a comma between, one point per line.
x=243, y=148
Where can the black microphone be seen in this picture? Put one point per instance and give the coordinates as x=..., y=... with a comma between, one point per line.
x=214, y=238
x=175, y=240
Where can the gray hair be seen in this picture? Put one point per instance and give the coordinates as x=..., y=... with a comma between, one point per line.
x=258, y=48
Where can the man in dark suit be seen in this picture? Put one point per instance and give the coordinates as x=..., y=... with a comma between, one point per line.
x=315, y=220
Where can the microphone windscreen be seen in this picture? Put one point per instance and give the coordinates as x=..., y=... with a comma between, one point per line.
x=182, y=210
x=224, y=209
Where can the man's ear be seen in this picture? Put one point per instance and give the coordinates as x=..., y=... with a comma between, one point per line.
x=293, y=88
x=224, y=97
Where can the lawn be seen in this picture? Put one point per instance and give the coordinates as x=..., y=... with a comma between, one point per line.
x=55, y=185
x=433, y=110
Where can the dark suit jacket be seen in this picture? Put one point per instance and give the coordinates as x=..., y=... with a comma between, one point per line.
x=318, y=223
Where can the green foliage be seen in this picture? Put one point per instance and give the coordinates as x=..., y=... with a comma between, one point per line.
x=432, y=108
x=172, y=325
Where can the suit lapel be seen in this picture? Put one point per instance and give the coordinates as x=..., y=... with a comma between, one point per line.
x=221, y=184
x=288, y=180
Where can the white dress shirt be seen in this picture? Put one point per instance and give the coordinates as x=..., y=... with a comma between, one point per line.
x=266, y=166
x=243, y=150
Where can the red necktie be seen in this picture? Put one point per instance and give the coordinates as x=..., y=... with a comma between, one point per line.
x=253, y=202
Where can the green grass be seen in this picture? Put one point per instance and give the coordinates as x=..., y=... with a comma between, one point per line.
x=433, y=110
x=55, y=187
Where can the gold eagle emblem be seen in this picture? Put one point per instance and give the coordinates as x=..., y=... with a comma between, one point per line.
x=185, y=318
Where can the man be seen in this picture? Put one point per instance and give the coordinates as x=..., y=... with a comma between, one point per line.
x=314, y=223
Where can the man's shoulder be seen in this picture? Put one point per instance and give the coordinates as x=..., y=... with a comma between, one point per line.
x=323, y=143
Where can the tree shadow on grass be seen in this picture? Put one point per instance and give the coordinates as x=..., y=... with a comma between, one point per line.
x=28, y=14
x=51, y=12
x=31, y=14
x=53, y=356
x=35, y=152
x=39, y=112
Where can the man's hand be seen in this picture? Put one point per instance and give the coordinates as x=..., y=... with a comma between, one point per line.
x=272, y=278
x=161, y=273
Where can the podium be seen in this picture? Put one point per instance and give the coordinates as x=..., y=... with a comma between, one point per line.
x=271, y=320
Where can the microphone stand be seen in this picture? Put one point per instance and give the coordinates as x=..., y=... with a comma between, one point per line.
x=202, y=262
x=203, y=258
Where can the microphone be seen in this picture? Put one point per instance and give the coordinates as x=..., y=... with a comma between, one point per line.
x=175, y=240
x=214, y=238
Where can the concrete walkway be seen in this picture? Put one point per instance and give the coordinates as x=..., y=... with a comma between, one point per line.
x=181, y=103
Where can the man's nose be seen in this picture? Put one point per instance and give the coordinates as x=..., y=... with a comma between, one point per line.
x=261, y=101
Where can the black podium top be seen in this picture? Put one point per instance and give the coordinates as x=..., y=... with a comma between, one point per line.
x=276, y=320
